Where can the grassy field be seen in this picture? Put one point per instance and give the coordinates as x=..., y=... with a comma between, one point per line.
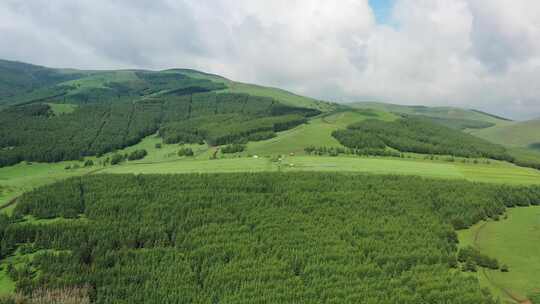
x=521, y=134
x=62, y=108
x=98, y=80
x=23, y=177
x=514, y=241
x=285, y=97
x=317, y=133
x=20, y=178
x=440, y=112
x=492, y=173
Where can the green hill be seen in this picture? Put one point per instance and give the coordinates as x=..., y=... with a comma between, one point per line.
x=517, y=134
x=26, y=83
x=17, y=78
x=449, y=116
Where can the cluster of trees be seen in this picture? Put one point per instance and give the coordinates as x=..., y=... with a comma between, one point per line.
x=137, y=154
x=359, y=140
x=233, y=148
x=228, y=118
x=418, y=135
x=89, y=130
x=254, y=238
x=32, y=133
x=185, y=152
x=336, y=151
x=471, y=257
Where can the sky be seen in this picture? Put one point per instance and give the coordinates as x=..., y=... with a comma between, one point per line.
x=482, y=54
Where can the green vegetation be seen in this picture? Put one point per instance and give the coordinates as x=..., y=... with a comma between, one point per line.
x=19, y=78
x=62, y=108
x=25, y=83
x=418, y=136
x=170, y=239
x=316, y=133
x=100, y=128
x=449, y=116
x=89, y=130
x=513, y=240
x=137, y=154
x=234, y=148
x=287, y=98
x=117, y=158
x=454, y=123
x=185, y=243
x=185, y=152
x=472, y=257
x=525, y=157
x=519, y=134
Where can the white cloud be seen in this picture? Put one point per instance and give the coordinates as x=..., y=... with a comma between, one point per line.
x=470, y=53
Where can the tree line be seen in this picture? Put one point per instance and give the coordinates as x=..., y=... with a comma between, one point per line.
x=418, y=135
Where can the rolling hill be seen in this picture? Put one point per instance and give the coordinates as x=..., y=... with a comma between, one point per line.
x=450, y=116
x=524, y=134
x=26, y=83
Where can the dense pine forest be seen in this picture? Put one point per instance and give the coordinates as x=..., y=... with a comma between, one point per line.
x=419, y=135
x=33, y=133
x=253, y=238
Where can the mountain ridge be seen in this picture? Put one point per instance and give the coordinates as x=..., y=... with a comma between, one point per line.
x=46, y=84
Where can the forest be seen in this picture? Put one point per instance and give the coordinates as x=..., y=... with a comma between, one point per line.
x=418, y=135
x=254, y=238
x=33, y=133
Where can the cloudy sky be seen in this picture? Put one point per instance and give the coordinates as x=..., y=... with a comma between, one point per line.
x=482, y=54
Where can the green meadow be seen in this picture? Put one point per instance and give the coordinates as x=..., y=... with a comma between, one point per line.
x=517, y=134
x=514, y=241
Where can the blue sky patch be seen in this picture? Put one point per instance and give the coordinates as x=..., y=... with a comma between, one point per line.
x=382, y=10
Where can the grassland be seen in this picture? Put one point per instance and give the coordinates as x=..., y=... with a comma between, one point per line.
x=437, y=112
x=514, y=241
x=285, y=97
x=62, y=108
x=521, y=134
x=99, y=79
x=317, y=133
x=492, y=173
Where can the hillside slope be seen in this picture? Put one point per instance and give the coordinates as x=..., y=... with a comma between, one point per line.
x=20, y=78
x=449, y=116
x=26, y=83
x=519, y=134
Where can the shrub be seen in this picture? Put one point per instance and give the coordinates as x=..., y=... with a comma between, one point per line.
x=233, y=148
x=185, y=152
x=137, y=154
x=117, y=159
